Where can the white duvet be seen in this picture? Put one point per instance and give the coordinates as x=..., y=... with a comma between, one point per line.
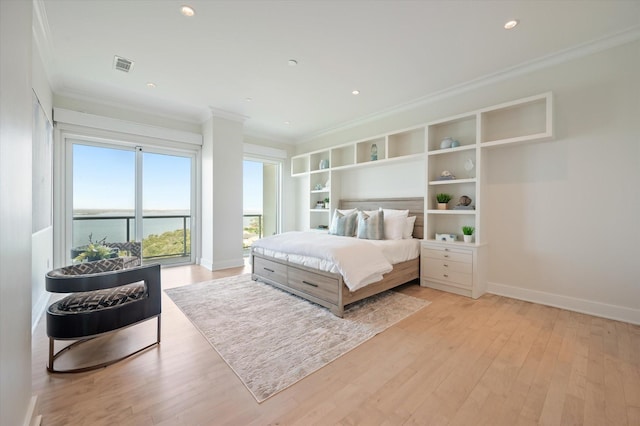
x=360, y=262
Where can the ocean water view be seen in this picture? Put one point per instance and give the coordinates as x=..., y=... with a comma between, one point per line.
x=112, y=224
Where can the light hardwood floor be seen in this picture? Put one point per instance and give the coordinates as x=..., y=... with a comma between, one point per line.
x=494, y=361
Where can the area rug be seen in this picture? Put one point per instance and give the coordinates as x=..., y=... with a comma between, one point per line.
x=272, y=339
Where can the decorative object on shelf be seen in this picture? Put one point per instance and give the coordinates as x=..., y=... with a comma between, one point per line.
x=446, y=175
x=324, y=164
x=323, y=227
x=455, y=143
x=326, y=203
x=374, y=152
x=468, y=166
x=320, y=205
x=446, y=143
x=318, y=187
x=443, y=199
x=467, y=232
x=446, y=237
x=464, y=203
x=327, y=184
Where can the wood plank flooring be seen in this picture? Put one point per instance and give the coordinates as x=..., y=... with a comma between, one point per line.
x=493, y=361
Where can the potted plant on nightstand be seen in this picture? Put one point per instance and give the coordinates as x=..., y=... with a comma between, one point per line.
x=443, y=199
x=467, y=232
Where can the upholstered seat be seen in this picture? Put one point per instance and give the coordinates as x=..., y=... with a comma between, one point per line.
x=102, y=301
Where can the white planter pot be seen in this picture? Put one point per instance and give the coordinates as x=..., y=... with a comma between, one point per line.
x=468, y=238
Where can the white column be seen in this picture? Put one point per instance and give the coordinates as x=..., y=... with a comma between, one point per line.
x=222, y=155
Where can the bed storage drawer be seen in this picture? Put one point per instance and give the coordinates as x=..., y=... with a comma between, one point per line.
x=320, y=286
x=272, y=270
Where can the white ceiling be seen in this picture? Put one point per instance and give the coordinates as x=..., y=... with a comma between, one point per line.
x=394, y=52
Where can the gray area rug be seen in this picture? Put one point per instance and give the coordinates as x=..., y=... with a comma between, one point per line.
x=272, y=339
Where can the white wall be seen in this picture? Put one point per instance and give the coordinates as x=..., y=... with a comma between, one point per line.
x=561, y=214
x=15, y=212
x=41, y=241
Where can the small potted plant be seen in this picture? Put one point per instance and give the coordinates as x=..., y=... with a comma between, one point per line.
x=443, y=199
x=93, y=251
x=326, y=203
x=467, y=232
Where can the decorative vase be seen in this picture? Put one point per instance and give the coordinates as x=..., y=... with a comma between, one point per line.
x=467, y=238
x=442, y=206
x=446, y=143
x=374, y=152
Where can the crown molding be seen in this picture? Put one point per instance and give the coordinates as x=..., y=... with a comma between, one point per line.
x=623, y=37
x=42, y=38
x=220, y=113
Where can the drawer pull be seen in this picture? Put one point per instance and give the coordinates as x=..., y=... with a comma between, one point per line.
x=308, y=283
x=446, y=249
x=446, y=276
x=446, y=255
x=269, y=270
x=445, y=265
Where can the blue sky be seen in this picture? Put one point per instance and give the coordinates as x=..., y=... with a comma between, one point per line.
x=104, y=178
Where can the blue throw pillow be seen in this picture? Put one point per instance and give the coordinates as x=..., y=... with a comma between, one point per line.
x=343, y=225
x=371, y=225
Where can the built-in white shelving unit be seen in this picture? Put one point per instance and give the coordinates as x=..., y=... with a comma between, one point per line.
x=457, y=266
x=521, y=121
x=322, y=168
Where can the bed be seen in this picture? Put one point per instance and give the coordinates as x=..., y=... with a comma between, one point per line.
x=328, y=287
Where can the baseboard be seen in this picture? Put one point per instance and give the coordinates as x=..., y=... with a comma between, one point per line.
x=232, y=263
x=38, y=309
x=206, y=263
x=614, y=312
x=32, y=418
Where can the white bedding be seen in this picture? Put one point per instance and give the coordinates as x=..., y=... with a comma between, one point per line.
x=360, y=262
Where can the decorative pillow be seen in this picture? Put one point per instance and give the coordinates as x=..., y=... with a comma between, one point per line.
x=371, y=225
x=394, y=227
x=408, y=228
x=394, y=223
x=343, y=225
x=391, y=212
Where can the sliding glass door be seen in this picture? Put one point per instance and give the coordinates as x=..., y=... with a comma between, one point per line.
x=123, y=194
x=261, y=200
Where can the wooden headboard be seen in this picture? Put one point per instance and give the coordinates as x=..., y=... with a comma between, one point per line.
x=415, y=206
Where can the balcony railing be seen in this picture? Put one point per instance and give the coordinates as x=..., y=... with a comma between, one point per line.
x=120, y=228
x=158, y=243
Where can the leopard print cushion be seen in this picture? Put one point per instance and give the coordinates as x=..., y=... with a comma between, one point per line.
x=100, y=299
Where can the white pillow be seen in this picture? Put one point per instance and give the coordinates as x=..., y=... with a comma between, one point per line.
x=392, y=212
x=394, y=227
x=408, y=228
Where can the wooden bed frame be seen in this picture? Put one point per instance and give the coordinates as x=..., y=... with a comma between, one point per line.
x=328, y=289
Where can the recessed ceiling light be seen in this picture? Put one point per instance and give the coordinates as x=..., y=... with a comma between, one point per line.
x=248, y=99
x=355, y=92
x=151, y=85
x=187, y=11
x=287, y=123
x=292, y=62
x=511, y=24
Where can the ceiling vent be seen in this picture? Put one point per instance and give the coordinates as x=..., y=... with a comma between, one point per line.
x=122, y=64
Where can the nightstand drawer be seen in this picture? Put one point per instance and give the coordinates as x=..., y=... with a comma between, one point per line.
x=320, y=286
x=271, y=270
x=438, y=267
x=449, y=276
x=454, y=255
